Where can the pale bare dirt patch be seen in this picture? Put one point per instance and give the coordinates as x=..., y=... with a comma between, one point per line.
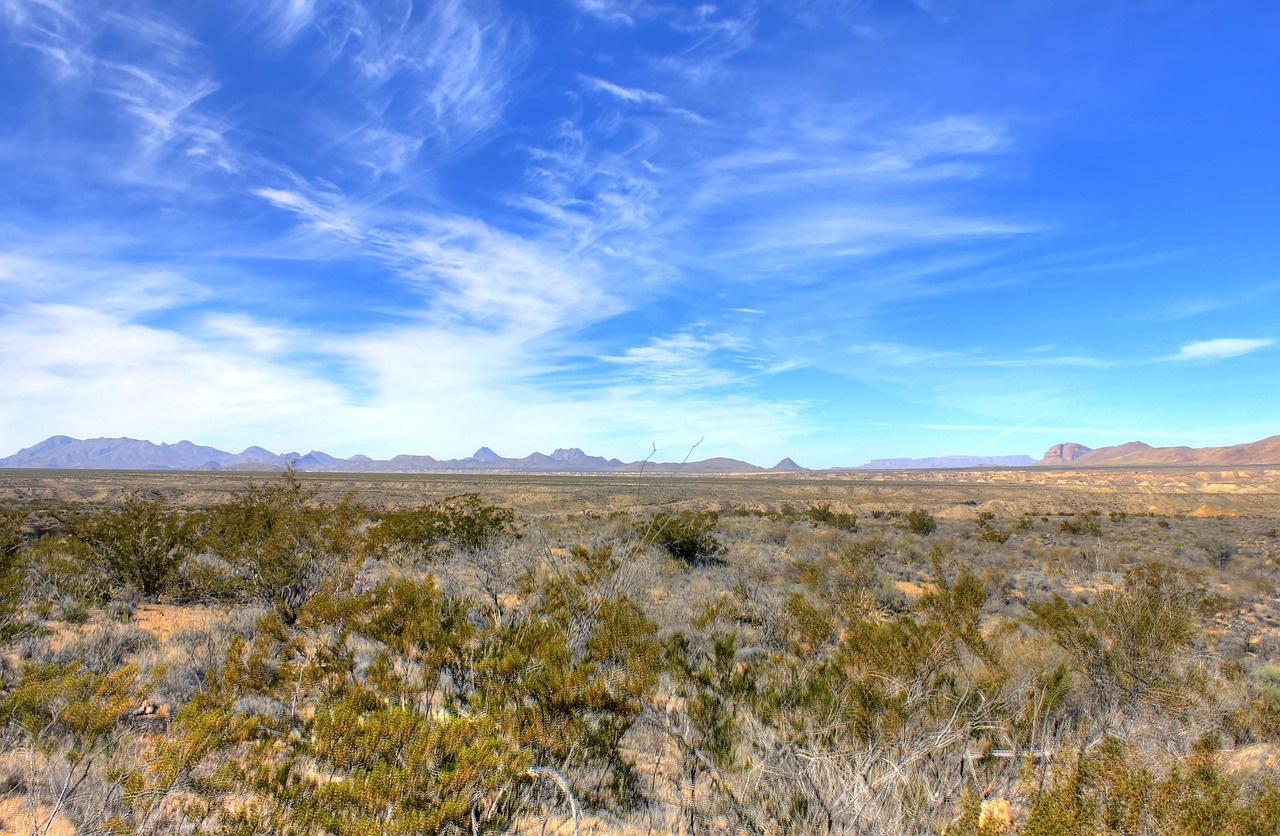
x=17, y=815
x=163, y=621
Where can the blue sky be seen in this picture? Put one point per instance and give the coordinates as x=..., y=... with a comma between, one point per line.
x=829, y=230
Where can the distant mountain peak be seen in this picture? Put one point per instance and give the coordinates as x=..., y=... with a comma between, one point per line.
x=484, y=454
x=787, y=465
x=568, y=454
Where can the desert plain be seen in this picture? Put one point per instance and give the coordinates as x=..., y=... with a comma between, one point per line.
x=988, y=651
x=1171, y=490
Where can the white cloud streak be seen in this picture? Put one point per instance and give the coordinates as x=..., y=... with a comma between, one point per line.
x=632, y=95
x=1209, y=351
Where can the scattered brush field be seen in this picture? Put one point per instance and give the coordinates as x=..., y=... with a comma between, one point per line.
x=1030, y=652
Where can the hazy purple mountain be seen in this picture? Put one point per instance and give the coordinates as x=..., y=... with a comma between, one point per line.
x=62, y=452
x=486, y=456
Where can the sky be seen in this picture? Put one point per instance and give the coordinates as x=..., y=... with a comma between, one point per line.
x=828, y=230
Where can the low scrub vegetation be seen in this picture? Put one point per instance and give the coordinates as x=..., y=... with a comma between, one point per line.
x=276, y=664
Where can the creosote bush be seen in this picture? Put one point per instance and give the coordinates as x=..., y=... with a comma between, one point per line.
x=466, y=522
x=138, y=544
x=920, y=521
x=1090, y=522
x=686, y=536
x=284, y=546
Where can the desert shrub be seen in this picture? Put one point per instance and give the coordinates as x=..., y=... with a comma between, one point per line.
x=820, y=514
x=1087, y=523
x=956, y=605
x=919, y=521
x=10, y=577
x=203, y=578
x=808, y=627
x=55, y=578
x=466, y=521
x=196, y=657
x=988, y=532
x=10, y=522
x=842, y=572
x=1219, y=551
x=1111, y=790
x=67, y=719
x=473, y=524
x=106, y=649
x=285, y=547
x=686, y=536
x=1131, y=642
x=137, y=544
x=442, y=720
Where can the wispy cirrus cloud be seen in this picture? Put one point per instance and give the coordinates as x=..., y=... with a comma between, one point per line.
x=439, y=76
x=53, y=29
x=117, y=289
x=683, y=360
x=1209, y=351
x=631, y=95
x=610, y=11
x=164, y=104
x=487, y=276
x=149, y=68
x=322, y=213
x=638, y=96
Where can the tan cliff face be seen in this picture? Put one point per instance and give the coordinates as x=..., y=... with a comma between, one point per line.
x=1062, y=454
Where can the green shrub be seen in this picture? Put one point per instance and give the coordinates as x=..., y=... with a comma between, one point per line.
x=1110, y=790
x=1086, y=523
x=10, y=576
x=988, y=532
x=283, y=545
x=55, y=576
x=687, y=536
x=920, y=521
x=10, y=521
x=137, y=544
x=1131, y=642
x=466, y=521
x=820, y=514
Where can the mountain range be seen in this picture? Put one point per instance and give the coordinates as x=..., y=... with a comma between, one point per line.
x=60, y=452
x=64, y=452
x=1266, y=451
